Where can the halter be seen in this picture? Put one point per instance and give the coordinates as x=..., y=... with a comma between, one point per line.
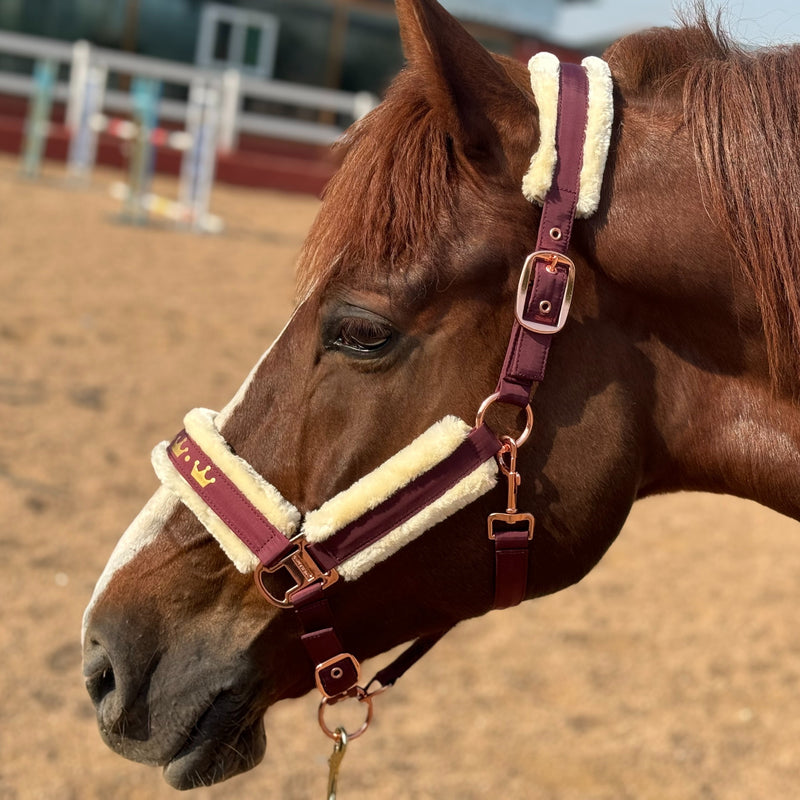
x=447, y=467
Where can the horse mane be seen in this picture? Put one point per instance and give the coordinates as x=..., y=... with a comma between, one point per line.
x=397, y=190
x=742, y=113
x=744, y=119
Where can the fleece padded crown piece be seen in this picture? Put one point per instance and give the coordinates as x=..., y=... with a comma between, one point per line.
x=545, y=71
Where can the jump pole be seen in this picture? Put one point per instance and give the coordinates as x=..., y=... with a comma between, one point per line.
x=145, y=94
x=37, y=125
x=230, y=100
x=199, y=163
x=85, y=105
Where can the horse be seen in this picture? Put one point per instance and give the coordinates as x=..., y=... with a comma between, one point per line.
x=676, y=370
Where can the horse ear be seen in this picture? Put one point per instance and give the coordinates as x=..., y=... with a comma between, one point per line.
x=461, y=77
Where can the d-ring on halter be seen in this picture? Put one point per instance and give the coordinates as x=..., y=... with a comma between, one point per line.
x=491, y=400
x=257, y=527
x=359, y=694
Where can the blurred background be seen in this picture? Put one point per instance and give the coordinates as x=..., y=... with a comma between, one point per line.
x=160, y=164
x=290, y=75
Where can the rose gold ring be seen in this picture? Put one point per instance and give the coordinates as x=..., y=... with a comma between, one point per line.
x=359, y=695
x=493, y=398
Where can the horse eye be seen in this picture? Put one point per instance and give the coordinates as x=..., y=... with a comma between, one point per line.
x=363, y=336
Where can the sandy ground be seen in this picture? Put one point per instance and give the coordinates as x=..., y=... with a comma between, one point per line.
x=670, y=673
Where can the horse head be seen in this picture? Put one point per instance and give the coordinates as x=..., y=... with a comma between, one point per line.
x=406, y=288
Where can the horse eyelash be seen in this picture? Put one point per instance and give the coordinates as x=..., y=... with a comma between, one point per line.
x=354, y=331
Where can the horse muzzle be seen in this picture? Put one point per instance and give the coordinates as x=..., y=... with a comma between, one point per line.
x=146, y=713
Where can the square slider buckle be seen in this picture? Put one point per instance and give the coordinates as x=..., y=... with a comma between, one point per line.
x=553, y=263
x=513, y=520
x=303, y=571
x=338, y=675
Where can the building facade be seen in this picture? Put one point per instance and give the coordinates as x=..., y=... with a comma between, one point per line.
x=347, y=44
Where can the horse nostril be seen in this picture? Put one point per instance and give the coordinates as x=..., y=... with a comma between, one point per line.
x=99, y=673
x=117, y=679
x=101, y=685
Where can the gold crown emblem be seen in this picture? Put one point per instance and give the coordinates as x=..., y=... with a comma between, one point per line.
x=201, y=475
x=176, y=446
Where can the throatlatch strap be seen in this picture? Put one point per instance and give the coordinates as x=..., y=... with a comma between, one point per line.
x=526, y=356
x=392, y=673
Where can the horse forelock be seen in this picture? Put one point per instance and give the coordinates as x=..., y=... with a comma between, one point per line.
x=393, y=195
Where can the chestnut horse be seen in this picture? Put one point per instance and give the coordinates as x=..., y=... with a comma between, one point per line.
x=675, y=371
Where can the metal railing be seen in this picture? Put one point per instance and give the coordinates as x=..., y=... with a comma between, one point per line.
x=237, y=91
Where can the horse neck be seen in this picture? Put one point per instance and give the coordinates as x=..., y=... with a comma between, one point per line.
x=721, y=428
x=669, y=280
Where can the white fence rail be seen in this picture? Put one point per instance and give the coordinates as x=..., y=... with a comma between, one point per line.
x=235, y=90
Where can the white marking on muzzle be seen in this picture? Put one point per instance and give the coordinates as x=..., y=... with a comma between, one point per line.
x=151, y=519
x=140, y=533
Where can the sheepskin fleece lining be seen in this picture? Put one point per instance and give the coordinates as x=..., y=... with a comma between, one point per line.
x=470, y=488
x=545, y=70
x=200, y=424
x=243, y=558
x=425, y=452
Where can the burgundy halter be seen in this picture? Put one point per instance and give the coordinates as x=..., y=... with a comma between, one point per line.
x=543, y=300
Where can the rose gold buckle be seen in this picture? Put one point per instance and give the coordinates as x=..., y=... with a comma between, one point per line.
x=554, y=260
x=510, y=519
x=303, y=569
x=335, y=669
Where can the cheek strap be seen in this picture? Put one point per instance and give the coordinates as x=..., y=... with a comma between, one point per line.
x=446, y=468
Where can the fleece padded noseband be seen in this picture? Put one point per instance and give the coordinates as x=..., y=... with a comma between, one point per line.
x=200, y=459
x=247, y=515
